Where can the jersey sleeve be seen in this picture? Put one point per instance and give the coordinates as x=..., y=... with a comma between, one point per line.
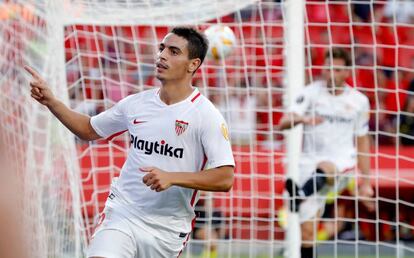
x=111, y=121
x=216, y=142
x=362, y=121
x=301, y=101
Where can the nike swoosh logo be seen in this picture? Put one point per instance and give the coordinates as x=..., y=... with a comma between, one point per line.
x=138, y=121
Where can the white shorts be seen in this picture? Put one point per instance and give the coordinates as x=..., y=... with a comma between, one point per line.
x=309, y=208
x=118, y=236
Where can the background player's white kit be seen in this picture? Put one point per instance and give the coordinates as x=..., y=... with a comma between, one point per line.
x=344, y=116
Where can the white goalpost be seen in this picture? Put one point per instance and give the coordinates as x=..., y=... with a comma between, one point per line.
x=95, y=52
x=295, y=81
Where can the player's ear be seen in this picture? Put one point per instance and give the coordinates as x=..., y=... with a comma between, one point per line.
x=193, y=65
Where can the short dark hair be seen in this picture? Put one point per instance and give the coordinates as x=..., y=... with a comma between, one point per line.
x=339, y=53
x=197, y=42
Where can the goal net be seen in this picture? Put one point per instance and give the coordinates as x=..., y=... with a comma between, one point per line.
x=94, y=53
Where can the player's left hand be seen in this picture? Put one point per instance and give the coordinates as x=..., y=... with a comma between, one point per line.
x=365, y=190
x=157, y=179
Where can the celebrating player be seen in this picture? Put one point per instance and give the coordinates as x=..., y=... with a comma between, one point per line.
x=174, y=131
x=335, y=118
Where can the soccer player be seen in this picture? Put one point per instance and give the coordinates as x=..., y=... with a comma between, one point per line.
x=174, y=131
x=335, y=118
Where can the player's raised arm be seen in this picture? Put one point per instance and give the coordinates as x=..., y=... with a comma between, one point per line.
x=296, y=113
x=290, y=120
x=77, y=123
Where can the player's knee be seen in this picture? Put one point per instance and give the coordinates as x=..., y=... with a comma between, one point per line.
x=307, y=241
x=307, y=237
x=329, y=170
x=307, y=234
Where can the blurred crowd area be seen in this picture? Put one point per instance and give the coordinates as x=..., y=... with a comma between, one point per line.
x=107, y=63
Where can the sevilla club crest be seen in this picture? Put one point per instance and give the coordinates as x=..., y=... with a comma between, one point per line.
x=180, y=127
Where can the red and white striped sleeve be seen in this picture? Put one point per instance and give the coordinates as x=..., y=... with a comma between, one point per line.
x=112, y=122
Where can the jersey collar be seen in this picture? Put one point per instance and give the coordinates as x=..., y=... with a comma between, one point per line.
x=192, y=98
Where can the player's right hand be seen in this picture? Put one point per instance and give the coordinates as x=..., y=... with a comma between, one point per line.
x=40, y=90
x=156, y=179
x=312, y=120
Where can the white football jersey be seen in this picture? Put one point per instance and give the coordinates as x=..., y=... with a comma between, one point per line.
x=176, y=138
x=345, y=116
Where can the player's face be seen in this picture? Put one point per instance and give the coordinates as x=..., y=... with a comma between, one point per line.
x=172, y=59
x=335, y=72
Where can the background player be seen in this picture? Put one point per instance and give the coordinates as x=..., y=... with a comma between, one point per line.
x=209, y=227
x=174, y=131
x=335, y=118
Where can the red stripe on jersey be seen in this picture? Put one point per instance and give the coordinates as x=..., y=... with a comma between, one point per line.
x=348, y=169
x=195, y=97
x=115, y=135
x=188, y=236
x=204, y=163
x=195, y=191
x=193, y=197
x=192, y=203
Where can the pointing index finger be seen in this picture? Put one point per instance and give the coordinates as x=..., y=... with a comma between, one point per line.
x=33, y=72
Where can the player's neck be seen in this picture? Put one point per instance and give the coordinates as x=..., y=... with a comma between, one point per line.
x=174, y=92
x=336, y=90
